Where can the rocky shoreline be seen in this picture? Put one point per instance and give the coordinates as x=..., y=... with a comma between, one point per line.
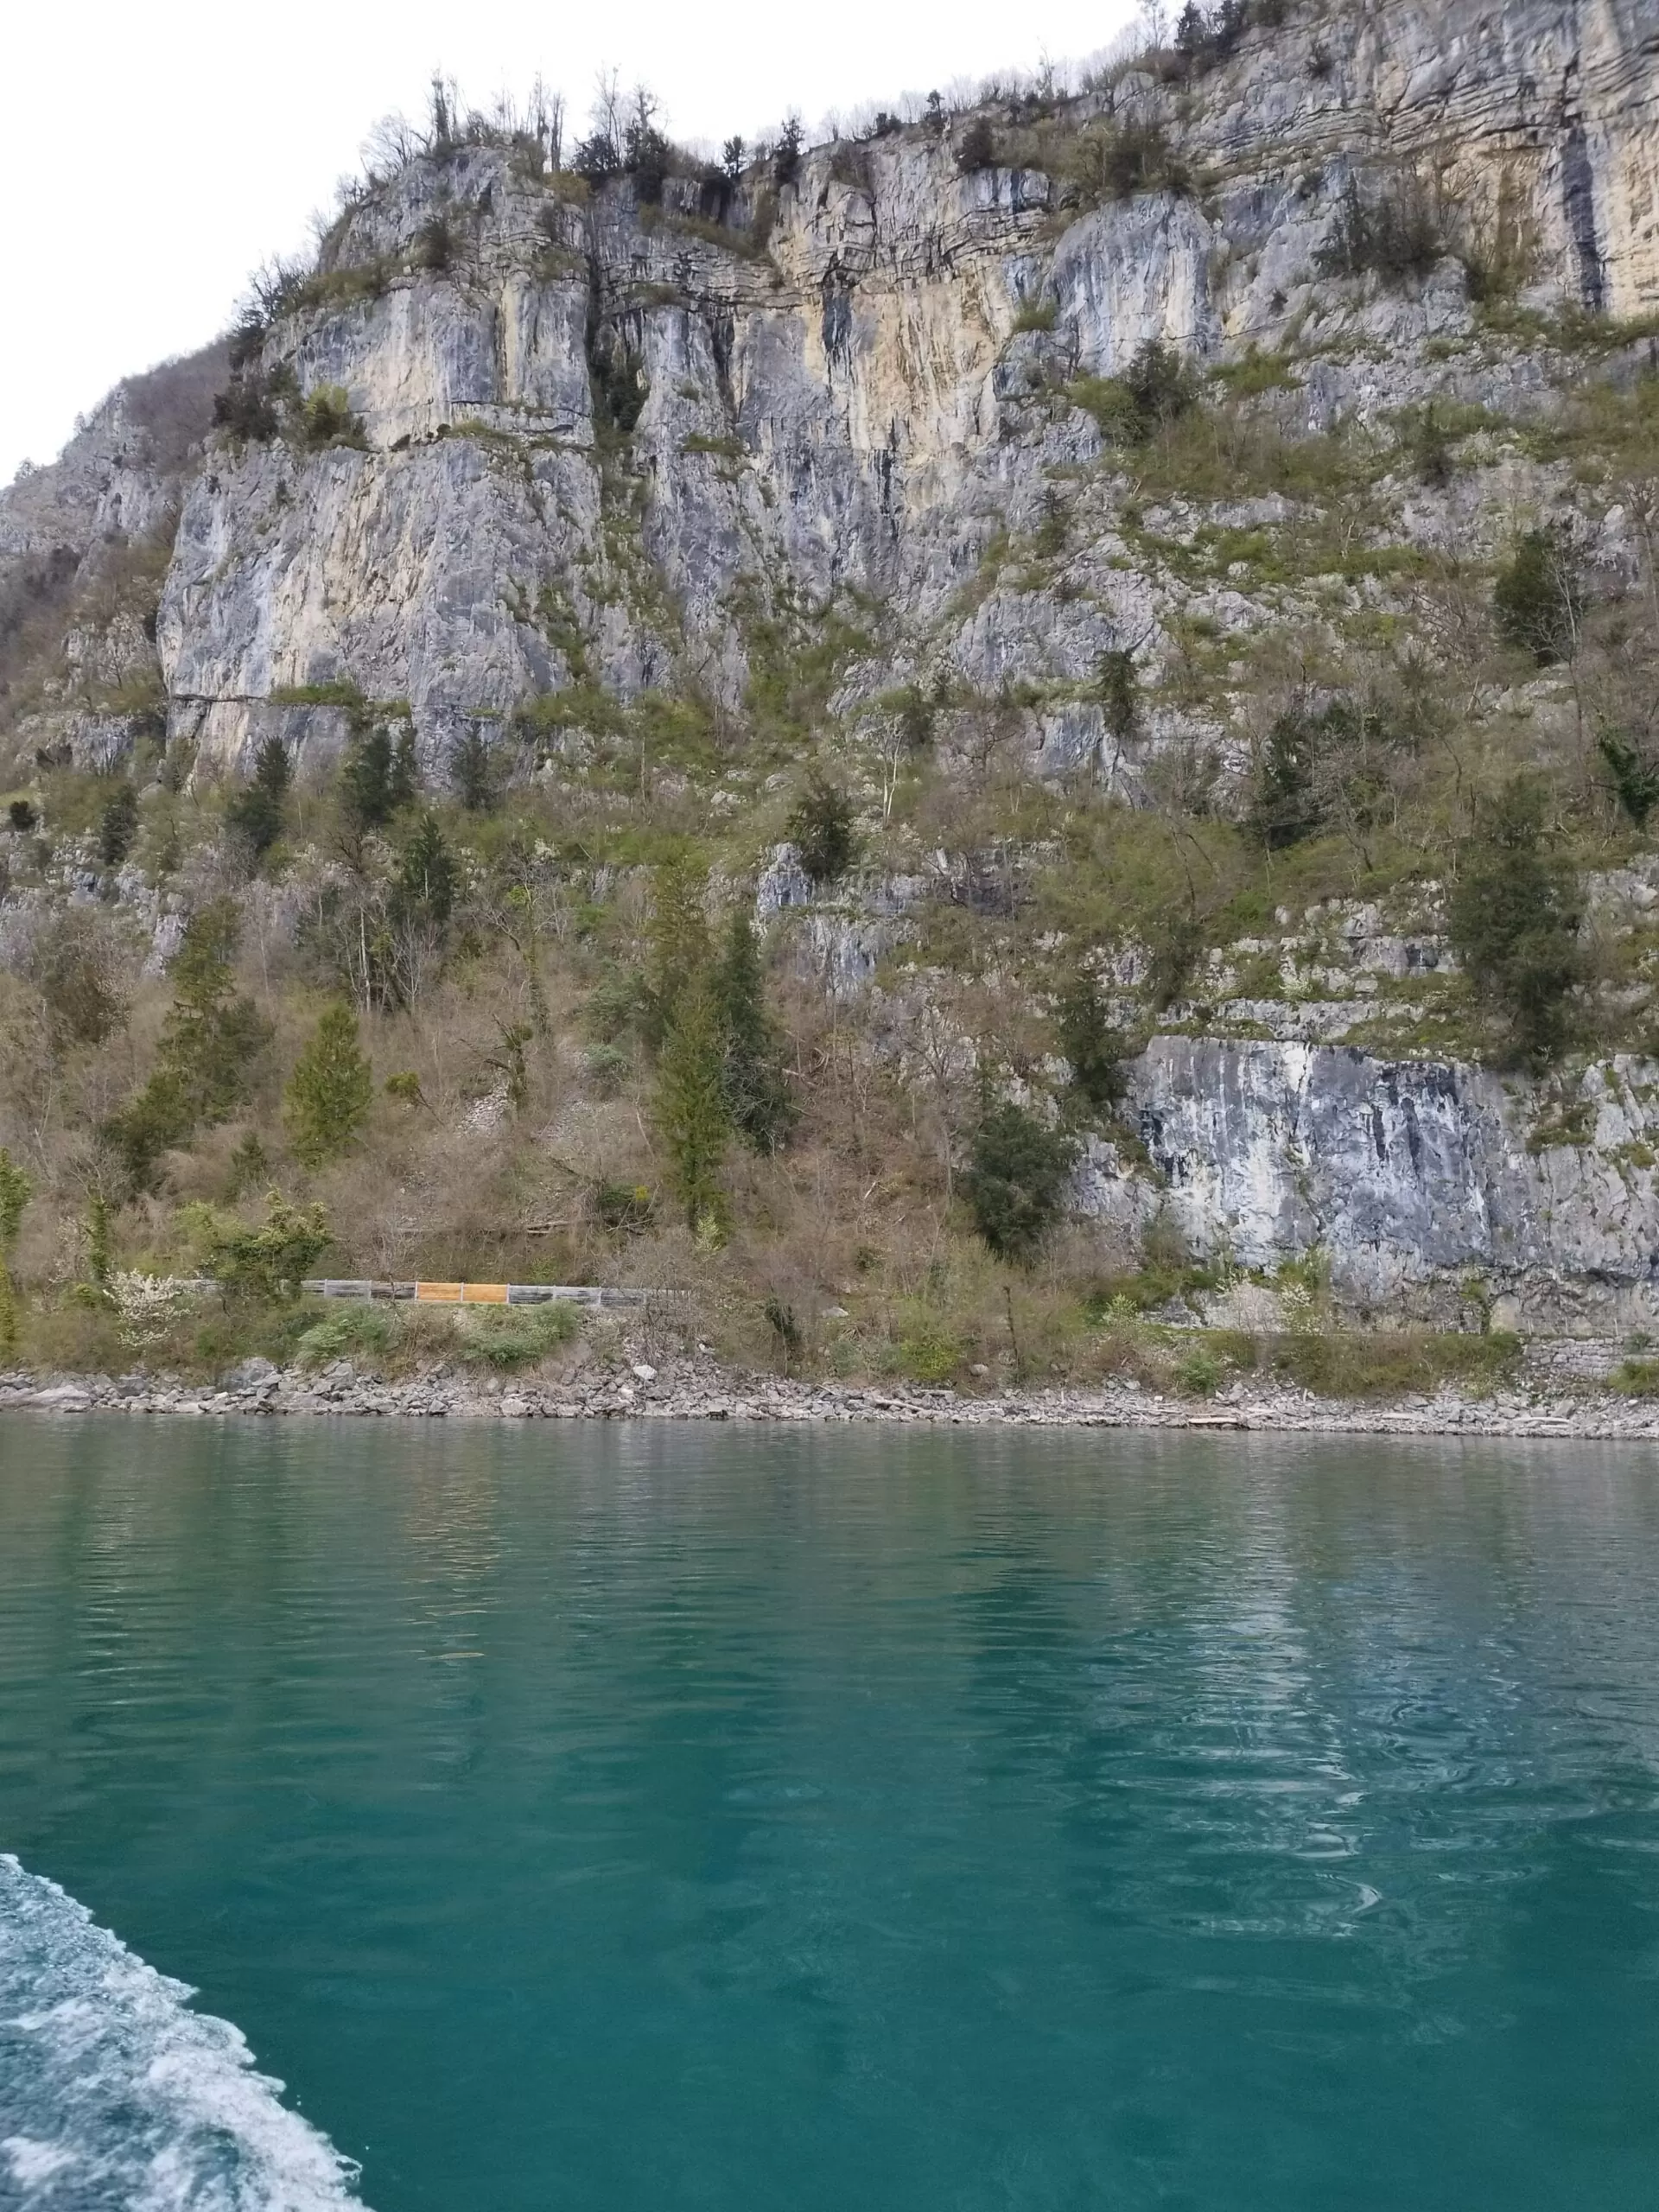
x=699, y=1389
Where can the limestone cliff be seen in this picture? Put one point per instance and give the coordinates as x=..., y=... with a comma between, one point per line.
x=536, y=449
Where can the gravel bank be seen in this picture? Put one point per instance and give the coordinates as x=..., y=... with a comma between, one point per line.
x=696, y=1389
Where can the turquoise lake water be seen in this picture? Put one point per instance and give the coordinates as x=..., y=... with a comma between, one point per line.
x=625, y=1818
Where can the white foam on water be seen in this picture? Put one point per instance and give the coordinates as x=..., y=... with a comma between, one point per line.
x=116, y=2097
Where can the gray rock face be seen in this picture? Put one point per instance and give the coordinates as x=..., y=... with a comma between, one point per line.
x=848, y=400
x=1407, y=1176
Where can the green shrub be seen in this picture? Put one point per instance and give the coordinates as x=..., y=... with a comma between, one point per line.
x=1156, y=389
x=1537, y=599
x=821, y=829
x=1117, y=687
x=254, y=407
x=1016, y=1178
x=324, y=420
x=1385, y=1364
x=928, y=1352
x=1428, y=442
x=15, y=1188
x=1396, y=238
x=788, y=1337
x=976, y=148
x=1635, y=778
x=347, y=1330
x=514, y=1336
x=619, y=382
x=1176, y=940
x=607, y=1065
x=265, y=1262
x=1285, y=805
x=628, y=1208
x=435, y=244
x=1200, y=1371
x=1332, y=766
x=1115, y=160
x=72, y=962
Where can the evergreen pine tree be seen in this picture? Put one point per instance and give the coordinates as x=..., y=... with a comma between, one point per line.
x=404, y=780
x=100, y=1224
x=1538, y=600
x=692, y=1113
x=365, y=780
x=257, y=812
x=1118, y=685
x=1284, y=803
x=209, y=1048
x=757, y=1095
x=212, y=1036
x=1015, y=1183
x=471, y=771
x=1192, y=32
x=1514, y=916
x=1095, y=1049
x=427, y=877
x=677, y=943
x=378, y=779
x=117, y=826
x=330, y=1091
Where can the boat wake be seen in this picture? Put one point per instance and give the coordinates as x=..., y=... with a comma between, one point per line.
x=116, y=2097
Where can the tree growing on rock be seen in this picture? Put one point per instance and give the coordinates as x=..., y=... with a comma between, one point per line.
x=1513, y=919
x=117, y=825
x=471, y=771
x=1537, y=600
x=1094, y=1047
x=757, y=1095
x=822, y=829
x=378, y=777
x=258, y=810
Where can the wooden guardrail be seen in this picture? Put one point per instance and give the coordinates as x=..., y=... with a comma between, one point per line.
x=479, y=1293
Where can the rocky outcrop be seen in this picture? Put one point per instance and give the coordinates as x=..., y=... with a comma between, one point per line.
x=1420, y=1184
x=833, y=387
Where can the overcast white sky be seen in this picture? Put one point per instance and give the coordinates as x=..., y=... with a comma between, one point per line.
x=152, y=155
